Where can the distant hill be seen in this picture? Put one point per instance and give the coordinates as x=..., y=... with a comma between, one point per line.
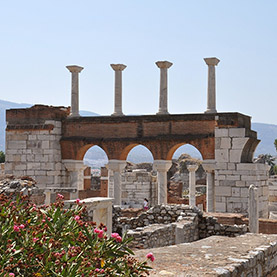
x=267, y=133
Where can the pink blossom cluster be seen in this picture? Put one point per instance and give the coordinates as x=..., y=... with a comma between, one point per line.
x=99, y=232
x=150, y=256
x=117, y=237
x=17, y=228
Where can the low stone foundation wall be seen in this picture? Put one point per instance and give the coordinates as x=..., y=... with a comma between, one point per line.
x=186, y=224
x=155, y=235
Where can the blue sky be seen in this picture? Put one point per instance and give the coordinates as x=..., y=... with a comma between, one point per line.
x=39, y=38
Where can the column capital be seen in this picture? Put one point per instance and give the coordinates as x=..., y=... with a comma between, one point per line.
x=192, y=167
x=208, y=165
x=118, y=67
x=116, y=165
x=164, y=64
x=74, y=68
x=162, y=165
x=74, y=165
x=212, y=61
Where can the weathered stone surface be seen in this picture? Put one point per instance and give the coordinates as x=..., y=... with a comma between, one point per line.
x=246, y=255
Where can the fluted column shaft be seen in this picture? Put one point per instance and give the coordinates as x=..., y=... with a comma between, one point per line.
x=211, y=92
x=118, y=68
x=163, y=65
x=253, y=209
x=75, y=70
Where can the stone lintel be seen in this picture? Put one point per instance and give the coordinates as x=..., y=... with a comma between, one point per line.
x=212, y=61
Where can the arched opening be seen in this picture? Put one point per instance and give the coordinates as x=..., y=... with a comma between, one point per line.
x=137, y=182
x=186, y=156
x=95, y=159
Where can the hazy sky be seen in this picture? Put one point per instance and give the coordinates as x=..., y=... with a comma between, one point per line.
x=39, y=38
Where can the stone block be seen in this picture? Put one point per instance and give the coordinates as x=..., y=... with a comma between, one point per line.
x=233, y=177
x=237, y=132
x=235, y=156
x=17, y=144
x=239, y=143
x=33, y=166
x=32, y=137
x=221, y=165
x=220, y=207
x=246, y=166
x=231, y=166
x=244, y=192
x=45, y=144
x=221, y=132
x=223, y=191
x=236, y=192
x=221, y=155
x=225, y=143
x=20, y=166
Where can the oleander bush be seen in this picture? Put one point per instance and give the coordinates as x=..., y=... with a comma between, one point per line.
x=53, y=241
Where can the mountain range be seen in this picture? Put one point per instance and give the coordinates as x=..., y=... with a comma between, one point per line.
x=267, y=133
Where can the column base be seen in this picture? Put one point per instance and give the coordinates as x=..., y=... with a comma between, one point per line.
x=162, y=112
x=74, y=115
x=211, y=111
x=118, y=114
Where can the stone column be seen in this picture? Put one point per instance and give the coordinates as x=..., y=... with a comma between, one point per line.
x=75, y=70
x=162, y=166
x=118, y=68
x=211, y=96
x=76, y=169
x=116, y=166
x=253, y=213
x=192, y=168
x=209, y=167
x=163, y=86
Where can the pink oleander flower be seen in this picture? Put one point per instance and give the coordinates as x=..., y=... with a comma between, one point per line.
x=43, y=220
x=21, y=226
x=77, y=217
x=97, y=231
x=117, y=237
x=105, y=229
x=77, y=200
x=35, y=239
x=16, y=228
x=11, y=274
x=60, y=196
x=102, y=270
x=100, y=234
x=150, y=256
x=97, y=270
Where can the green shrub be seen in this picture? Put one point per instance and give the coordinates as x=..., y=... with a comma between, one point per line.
x=2, y=157
x=53, y=241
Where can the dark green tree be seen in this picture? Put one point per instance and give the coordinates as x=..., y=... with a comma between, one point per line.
x=275, y=143
x=2, y=157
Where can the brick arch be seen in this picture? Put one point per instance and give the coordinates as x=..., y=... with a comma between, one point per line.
x=129, y=148
x=175, y=147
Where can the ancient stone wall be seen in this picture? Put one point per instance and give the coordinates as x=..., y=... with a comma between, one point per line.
x=136, y=186
x=33, y=145
x=235, y=172
x=186, y=224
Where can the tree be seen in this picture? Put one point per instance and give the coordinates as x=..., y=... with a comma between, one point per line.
x=2, y=157
x=275, y=143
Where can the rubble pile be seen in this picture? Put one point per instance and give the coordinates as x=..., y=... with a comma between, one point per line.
x=24, y=185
